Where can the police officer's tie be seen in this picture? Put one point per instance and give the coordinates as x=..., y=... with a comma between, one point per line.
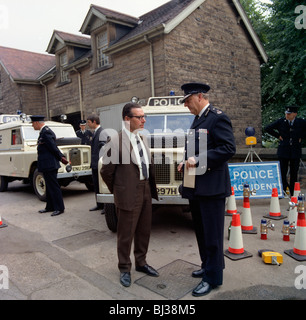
x=142, y=159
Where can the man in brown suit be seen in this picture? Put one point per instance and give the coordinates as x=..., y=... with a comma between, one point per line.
x=129, y=174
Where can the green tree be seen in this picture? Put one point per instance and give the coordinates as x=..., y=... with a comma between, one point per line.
x=283, y=77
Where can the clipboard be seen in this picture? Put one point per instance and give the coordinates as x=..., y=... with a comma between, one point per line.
x=189, y=177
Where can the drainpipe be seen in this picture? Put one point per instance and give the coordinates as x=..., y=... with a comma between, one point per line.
x=80, y=92
x=151, y=66
x=46, y=98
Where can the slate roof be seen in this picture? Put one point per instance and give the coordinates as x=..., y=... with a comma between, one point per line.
x=118, y=16
x=25, y=65
x=68, y=39
x=156, y=17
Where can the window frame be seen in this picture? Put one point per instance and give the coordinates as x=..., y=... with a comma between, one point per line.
x=102, y=59
x=64, y=75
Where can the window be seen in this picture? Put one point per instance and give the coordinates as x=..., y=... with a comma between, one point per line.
x=63, y=62
x=168, y=123
x=102, y=44
x=16, y=137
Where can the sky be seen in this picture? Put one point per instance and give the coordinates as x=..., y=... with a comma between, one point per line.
x=29, y=24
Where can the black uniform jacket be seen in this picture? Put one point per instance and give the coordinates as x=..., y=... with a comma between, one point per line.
x=215, y=182
x=291, y=145
x=85, y=137
x=98, y=141
x=48, y=153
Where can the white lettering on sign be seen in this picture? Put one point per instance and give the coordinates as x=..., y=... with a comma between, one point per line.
x=261, y=176
x=165, y=101
x=245, y=175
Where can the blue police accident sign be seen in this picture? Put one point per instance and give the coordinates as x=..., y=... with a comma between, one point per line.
x=261, y=176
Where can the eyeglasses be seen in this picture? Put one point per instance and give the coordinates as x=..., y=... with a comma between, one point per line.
x=139, y=117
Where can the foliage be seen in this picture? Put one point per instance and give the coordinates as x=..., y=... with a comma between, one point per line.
x=283, y=77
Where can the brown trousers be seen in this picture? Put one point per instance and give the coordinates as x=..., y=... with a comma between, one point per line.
x=135, y=225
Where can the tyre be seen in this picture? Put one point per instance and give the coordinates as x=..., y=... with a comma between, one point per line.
x=111, y=216
x=89, y=185
x=3, y=184
x=39, y=185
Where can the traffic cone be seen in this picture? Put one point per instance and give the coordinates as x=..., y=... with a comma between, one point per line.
x=299, y=247
x=231, y=204
x=2, y=225
x=297, y=189
x=246, y=218
x=293, y=215
x=236, y=250
x=275, y=213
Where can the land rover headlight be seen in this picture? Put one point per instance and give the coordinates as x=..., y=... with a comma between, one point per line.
x=85, y=157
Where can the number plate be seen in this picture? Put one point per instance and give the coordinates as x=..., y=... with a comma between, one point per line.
x=167, y=191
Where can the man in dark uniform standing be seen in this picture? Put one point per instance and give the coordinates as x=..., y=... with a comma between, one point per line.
x=211, y=185
x=98, y=141
x=290, y=131
x=48, y=157
x=84, y=134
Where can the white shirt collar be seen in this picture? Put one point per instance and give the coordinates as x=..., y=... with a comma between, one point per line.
x=203, y=110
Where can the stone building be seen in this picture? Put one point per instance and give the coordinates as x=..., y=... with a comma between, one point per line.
x=119, y=56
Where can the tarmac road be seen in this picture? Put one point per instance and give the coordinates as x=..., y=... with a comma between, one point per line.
x=73, y=256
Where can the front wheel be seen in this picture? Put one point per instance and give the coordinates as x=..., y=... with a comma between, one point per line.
x=111, y=216
x=3, y=184
x=39, y=185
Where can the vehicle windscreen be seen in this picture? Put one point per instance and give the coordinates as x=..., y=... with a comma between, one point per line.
x=168, y=123
x=61, y=132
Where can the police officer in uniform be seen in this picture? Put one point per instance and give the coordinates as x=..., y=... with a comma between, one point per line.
x=83, y=134
x=211, y=185
x=290, y=131
x=48, y=157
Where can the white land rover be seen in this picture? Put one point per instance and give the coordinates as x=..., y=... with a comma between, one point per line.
x=18, y=154
x=166, y=127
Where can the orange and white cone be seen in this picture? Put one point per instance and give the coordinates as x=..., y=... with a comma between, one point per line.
x=275, y=212
x=297, y=189
x=2, y=225
x=246, y=218
x=235, y=250
x=299, y=247
x=231, y=204
x=293, y=215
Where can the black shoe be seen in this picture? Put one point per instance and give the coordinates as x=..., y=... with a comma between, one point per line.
x=198, y=273
x=125, y=279
x=44, y=211
x=103, y=211
x=96, y=208
x=56, y=213
x=202, y=289
x=148, y=270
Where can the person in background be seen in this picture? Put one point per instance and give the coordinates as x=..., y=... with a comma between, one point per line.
x=48, y=158
x=290, y=131
x=98, y=141
x=84, y=134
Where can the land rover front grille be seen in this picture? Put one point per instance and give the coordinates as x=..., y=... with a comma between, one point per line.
x=75, y=157
x=162, y=169
x=178, y=176
x=167, y=141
